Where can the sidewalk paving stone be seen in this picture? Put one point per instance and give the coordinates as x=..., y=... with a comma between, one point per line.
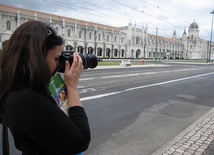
x=197, y=139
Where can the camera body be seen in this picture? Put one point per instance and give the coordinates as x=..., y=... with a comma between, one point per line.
x=88, y=60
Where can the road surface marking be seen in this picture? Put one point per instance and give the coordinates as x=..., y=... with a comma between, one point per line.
x=145, y=86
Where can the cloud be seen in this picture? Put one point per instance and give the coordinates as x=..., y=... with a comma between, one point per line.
x=165, y=14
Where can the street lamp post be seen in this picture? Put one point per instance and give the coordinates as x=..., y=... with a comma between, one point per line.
x=211, y=35
x=156, y=46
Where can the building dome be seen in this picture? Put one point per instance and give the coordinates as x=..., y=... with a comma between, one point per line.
x=194, y=25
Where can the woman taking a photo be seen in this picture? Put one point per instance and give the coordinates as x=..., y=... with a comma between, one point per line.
x=38, y=125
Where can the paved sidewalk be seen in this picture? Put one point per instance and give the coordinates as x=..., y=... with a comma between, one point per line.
x=197, y=139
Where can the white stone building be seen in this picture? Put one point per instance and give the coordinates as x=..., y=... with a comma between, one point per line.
x=107, y=41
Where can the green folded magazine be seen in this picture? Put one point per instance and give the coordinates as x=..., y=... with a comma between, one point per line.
x=58, y=91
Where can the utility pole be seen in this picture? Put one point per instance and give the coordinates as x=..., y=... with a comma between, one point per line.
x=211, y=35
x=156, y=48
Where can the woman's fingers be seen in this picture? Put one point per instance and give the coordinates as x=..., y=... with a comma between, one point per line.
x=80, y=65
x=67, y=67
x=75, y=61
x=76, y=64
x=73, y=72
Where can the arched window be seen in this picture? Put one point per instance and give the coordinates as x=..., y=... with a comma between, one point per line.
x=115, y=38
x=99, y=36
x=69, y=32
x=90, y=50
x=123, y=53
x=115, y=52
x=69, y=47
x=90, y=35
x=107, y=37
x=108, y=52
x=8, y=25
x=80, y=49
x=122, y=40
x=137, y=40
x=103, y=36
x=99, y=52
x=80, y=34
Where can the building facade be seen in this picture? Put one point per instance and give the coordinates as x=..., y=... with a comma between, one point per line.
x=107, y=41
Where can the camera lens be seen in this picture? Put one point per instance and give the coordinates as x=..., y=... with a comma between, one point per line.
x=88, y=60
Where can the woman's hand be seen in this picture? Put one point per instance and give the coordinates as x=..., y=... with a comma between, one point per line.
x=71, y=78
x=73, y=72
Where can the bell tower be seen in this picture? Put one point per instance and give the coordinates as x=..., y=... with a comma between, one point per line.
x=193, y=32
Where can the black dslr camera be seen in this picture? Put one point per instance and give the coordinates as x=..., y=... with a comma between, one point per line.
x=88, y=60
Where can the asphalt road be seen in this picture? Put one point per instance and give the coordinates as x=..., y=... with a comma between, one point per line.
x=137, y=110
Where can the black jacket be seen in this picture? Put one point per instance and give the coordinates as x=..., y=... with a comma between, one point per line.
x=40, y=127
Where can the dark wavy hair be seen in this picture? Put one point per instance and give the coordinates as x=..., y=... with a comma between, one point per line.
x=23, y=61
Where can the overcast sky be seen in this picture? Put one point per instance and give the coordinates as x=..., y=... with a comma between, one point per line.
x=166, y=15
